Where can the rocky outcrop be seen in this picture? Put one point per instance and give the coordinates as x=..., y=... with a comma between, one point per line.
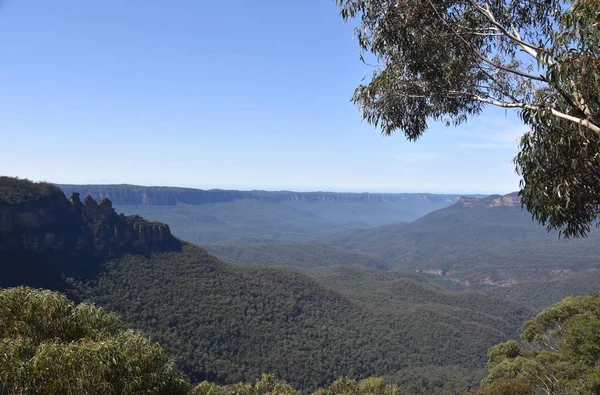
x=510, y=200
x=51, y=224
x=169, y=196
x=46, y=238
x=111, y=232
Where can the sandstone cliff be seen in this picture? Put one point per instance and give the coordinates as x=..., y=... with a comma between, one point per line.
x=510, y=200
x=39, y=222
x=168, y=196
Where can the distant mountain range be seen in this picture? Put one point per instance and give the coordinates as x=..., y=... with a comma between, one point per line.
x=218, y=216
x=490, y=240
x=168, y=196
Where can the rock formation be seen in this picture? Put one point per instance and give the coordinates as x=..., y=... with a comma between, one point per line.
x=49, y=224
x=169, y=196
x=510, y=200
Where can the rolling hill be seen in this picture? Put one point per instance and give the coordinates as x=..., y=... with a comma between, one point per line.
x=488, y=244
x=475, y=241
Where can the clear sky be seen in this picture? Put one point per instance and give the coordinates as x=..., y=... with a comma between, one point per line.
x=240, y=94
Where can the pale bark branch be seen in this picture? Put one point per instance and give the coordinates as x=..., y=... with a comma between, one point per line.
x=527, y=47
x=481, y=56
x=556, y=113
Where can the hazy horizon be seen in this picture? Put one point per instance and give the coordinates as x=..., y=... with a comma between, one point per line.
x=100, y=183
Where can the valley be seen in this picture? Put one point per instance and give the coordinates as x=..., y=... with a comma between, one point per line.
x=218, y=216
x=411, y=301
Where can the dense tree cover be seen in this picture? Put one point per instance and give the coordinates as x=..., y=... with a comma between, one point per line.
x=434, y=380
x=559, y=352
x=50, y=345
x=18, y=191
x=543, y=293
x=298, y=255
x=227, y=324
x=447, y=60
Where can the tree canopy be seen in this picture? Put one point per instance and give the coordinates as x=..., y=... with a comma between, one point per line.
x=51, y=345
x=270, y=385
x=560, y=352
x=446, y=60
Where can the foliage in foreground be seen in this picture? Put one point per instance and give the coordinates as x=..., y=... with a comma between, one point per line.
x=560, y=353
x=51, y=345
x=269, y=384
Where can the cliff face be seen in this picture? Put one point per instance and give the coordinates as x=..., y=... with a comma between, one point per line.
x=64, y=233
x=510, y=200
x=168, y=196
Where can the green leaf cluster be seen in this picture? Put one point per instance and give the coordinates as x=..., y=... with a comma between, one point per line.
x=560, y=351
x=51, y=345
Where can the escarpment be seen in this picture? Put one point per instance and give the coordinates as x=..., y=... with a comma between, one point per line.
x=67, y=235
x=171, y=196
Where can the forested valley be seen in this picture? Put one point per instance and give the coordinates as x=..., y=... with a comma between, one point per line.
x=348, y=304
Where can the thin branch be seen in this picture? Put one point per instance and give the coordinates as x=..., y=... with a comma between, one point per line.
x=527, y=47
x=480, y=55
x=533, y=51
x=556, y=113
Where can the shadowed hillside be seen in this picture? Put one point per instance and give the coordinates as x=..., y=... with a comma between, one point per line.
x=44, y=236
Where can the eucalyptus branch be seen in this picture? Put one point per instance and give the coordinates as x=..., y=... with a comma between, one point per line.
x=527, y=47
x=581, y=121
x=481, y=56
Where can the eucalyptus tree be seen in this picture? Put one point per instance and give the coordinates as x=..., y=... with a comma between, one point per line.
x=50, y=345
x=559, y=354
x=446, y=60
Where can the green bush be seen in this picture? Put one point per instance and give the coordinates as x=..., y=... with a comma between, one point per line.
x=51, y=345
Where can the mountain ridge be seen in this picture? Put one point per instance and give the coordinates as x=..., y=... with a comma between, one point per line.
x=488, y=241
x=128, y=194
x=509, y=200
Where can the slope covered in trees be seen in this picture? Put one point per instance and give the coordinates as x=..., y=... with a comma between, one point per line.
x=228, y=323
x=476, y=241
x=298, y=255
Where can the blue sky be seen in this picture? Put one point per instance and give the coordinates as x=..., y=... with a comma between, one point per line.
x=241, y=94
